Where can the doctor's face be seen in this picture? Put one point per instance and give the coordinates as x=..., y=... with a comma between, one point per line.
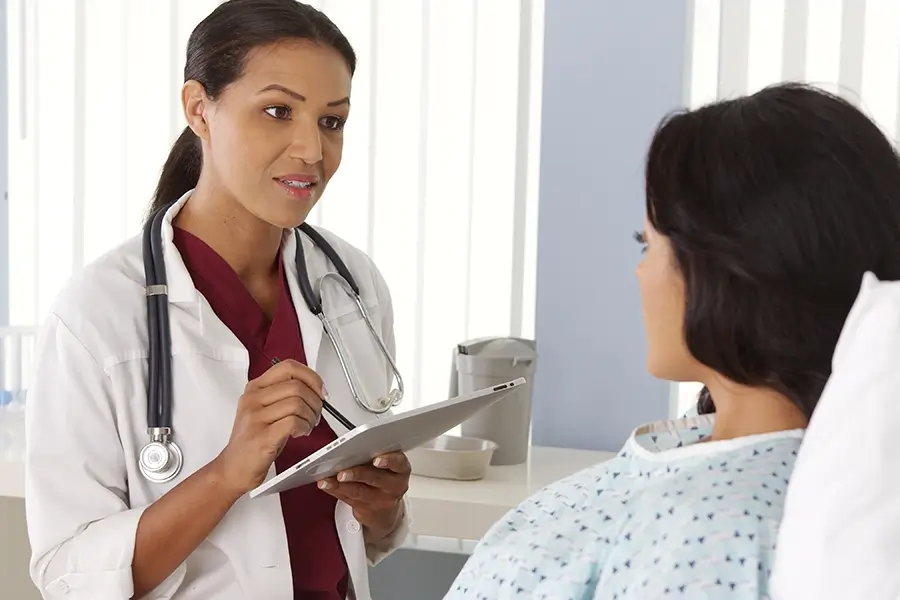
x=275, y=135
x=663, y=301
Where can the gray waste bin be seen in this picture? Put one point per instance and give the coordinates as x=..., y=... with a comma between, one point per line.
x=485, y=362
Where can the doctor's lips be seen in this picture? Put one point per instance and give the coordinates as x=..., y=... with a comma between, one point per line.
x=299, y=186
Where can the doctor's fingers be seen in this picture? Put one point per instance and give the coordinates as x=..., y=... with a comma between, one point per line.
x=306, y=416
x=288, y=427
x=359, y=495
x=393, y=461
x=287, y=370
x=287, y=389
x=393, y=484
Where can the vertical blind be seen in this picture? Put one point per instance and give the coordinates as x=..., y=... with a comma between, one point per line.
x=438, y=183
x=850, y=47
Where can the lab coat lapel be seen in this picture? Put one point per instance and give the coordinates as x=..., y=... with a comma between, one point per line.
x=194, y=325
x=310, y=325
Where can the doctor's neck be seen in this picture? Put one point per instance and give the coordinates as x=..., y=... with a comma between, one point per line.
x=743, y=410
x=248, y=244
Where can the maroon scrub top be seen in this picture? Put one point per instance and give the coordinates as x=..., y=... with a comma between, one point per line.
x=318, y=566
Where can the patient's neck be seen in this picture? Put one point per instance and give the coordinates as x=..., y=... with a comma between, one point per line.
x=742, y=410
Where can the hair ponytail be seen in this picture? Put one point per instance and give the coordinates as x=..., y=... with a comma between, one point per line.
x=705, y=405
x=181, y=171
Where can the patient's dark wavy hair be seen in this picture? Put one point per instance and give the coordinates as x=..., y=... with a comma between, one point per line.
x=775, y=205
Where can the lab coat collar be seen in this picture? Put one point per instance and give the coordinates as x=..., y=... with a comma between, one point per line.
x=310, y=326
x=181, y=287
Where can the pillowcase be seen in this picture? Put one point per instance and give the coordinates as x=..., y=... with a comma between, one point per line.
x=840, y=533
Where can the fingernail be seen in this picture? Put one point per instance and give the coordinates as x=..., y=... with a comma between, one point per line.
x=324, y=485
x=324, y=392
x=380, y=462
x=345, y=476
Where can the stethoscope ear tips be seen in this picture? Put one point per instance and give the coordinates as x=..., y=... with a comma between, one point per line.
x=393, y=399
x=396, y=396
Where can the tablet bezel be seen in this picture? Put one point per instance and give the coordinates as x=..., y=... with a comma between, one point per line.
x=336, y=452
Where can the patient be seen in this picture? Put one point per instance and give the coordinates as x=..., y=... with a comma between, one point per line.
x=762, y=214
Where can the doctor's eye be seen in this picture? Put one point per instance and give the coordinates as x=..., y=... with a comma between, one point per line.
x=333, y=123
x=279, y=112
x=641, y=239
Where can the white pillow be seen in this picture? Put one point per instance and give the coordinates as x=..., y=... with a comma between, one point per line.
x=840, y=534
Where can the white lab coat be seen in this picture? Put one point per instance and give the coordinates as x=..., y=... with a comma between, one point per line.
x=86, y=423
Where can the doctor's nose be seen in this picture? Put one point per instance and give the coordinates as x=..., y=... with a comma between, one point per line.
x=307, y=142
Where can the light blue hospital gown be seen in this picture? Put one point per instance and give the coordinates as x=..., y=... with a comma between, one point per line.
x=667, y=517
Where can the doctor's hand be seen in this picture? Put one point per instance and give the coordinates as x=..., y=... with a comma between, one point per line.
x=374, y=492
x=284, y=401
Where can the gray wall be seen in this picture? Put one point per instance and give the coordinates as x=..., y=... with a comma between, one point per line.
x=612, y=69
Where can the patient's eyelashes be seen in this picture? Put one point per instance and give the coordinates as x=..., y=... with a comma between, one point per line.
x=641, y=239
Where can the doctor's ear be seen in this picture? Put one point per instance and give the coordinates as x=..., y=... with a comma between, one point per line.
x=195, y=103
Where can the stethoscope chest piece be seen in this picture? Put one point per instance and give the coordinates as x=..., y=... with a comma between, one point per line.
x=160, y=459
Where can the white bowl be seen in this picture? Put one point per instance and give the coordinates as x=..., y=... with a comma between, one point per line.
x=452, y=457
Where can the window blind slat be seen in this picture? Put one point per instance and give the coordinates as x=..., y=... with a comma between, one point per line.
x=521, y=138
x=418, y=297
x=106, y=114
x=446, y=204
x=54, y=131
x=794, y=40
x=22, y=152
x=78, y=137
x=146, y=135
x=496, y=103
x=765, y=51
x=705, y=42
x=734, y=47
x=879, y=63
x=398, y=159
x=176, y=56
x=853, y=31
x=529, y=276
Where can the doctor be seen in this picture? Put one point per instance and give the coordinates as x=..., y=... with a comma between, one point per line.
x=266, y=97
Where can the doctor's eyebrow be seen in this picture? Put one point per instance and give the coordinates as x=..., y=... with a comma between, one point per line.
x=300, y=97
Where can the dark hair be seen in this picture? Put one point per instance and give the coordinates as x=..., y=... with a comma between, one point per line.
x=775, y=205
x=216, y=54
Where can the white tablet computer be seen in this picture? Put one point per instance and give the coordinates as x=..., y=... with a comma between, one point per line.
x=396, y=433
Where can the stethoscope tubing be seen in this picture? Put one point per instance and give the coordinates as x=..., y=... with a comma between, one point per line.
x=161, y=459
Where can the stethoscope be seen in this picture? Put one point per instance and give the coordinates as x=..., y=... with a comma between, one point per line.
x=161, y=458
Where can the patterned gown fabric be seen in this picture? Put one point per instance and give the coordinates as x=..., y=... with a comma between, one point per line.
x=670, y=516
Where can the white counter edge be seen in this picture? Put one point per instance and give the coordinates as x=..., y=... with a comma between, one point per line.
x=448, y=516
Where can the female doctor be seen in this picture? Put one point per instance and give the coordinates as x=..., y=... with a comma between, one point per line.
x=266, y=97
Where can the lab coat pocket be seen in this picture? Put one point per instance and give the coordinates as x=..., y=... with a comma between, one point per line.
x=365, y=360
